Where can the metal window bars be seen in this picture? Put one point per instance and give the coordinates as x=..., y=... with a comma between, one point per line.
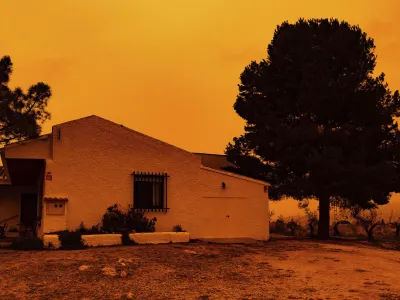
x=150, y=192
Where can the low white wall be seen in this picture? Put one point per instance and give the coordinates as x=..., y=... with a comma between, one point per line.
x=94, y=240
x=53, y=239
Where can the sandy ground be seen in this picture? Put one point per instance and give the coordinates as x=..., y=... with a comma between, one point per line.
x=280, y=269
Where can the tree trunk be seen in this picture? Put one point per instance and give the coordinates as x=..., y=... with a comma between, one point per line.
x=293, y=230
x=311, y=226
x=324, y=217
x=370, y=235
x=336, y=229
x=370, y=232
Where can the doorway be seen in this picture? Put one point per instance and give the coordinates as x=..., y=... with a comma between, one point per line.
x=28, y=210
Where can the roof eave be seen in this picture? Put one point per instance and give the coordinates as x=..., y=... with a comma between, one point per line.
x=235, y=175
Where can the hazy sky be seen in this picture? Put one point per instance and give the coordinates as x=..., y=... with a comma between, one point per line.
x=166, y=68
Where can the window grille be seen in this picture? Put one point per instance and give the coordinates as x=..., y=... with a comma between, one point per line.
x=150, y=191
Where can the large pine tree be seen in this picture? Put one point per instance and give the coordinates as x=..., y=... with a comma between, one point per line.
x=319, y=124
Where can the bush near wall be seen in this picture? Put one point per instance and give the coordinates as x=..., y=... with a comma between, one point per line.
x=113, y=220
x=95, y=229
x=178, y=228
x=71, y=240
x=116, y=221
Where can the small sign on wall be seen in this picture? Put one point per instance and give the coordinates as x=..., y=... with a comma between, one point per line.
x=55, y=208
x=49, y=176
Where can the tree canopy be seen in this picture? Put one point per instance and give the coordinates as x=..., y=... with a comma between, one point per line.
x=21, y=114
x=319, y=124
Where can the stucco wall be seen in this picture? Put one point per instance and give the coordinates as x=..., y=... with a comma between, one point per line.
x=238, y=210
x=92, y=165
x=53, y=223
x=31, y=149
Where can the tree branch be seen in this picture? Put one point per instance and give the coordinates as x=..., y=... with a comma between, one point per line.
x=5, y=141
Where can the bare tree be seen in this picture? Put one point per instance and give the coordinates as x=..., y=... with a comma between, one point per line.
x=336, y=226
x=312, y=217
x=395, y=224
x=293, y=226
x=369, y=219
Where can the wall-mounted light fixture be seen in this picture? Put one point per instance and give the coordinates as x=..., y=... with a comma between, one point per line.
x=59, y=134
x=223, y=185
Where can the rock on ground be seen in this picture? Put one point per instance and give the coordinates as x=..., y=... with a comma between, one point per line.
x=109, y=271
x=83, y=268
x=129, y=295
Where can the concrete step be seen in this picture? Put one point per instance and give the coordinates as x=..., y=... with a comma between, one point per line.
x=4, y=244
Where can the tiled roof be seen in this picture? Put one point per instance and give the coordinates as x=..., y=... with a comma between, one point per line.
x=55, y=198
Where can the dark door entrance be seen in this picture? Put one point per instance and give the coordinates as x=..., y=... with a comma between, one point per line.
x=28, y=209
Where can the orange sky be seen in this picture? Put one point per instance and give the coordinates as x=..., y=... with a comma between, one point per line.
x=166, y=68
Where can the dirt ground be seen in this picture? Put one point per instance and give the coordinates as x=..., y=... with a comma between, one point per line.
x=278, y=269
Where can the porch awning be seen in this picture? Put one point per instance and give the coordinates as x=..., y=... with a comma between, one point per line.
x=25, y=171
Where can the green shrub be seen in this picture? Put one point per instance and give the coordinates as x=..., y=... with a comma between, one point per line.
x=138, y=222
x=113, y=220
x=178, y=228
x=95, y=229
x=71, y=239
x=28, y=243
x=82, y=229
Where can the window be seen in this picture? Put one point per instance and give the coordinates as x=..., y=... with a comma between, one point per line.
x=150, y=191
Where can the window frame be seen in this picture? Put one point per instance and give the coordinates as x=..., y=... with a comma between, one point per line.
x=152, y=178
